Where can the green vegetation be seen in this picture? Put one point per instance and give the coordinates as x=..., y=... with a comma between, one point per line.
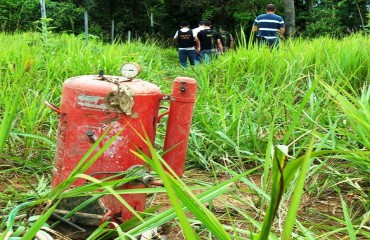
x=160, y=18
x=288, y=128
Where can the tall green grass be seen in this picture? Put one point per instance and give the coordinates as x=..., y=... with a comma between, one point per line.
x=249, y=101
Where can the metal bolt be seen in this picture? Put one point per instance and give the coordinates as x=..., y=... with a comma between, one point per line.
x=91, y=135
x=183, y=88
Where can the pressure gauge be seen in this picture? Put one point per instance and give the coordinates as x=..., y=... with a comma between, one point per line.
x=130, y=70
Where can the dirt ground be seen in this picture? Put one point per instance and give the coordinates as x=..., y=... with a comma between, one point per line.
x=240, y=197
x=220, y=206
x=311, y=210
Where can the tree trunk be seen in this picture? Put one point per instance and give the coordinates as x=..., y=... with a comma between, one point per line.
x=289, y=17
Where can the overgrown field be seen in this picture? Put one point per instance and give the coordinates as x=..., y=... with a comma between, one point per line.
x=283, y=135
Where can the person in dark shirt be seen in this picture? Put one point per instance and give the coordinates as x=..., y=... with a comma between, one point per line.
x=186, y=41
x=227, y=40
x=195, y=31
x=268, y=26
x=207, y=39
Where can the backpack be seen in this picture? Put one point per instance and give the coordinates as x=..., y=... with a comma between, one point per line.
x=225, y=39
x=185, y=39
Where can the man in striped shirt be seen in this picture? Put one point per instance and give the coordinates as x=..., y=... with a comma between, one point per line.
x=268, y=26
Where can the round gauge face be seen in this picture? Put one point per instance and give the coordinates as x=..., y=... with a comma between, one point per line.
x=130, y=70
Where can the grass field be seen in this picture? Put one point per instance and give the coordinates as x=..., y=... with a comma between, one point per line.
x=289, y=128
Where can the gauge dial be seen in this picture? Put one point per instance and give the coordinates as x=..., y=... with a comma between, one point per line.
x=130, y=70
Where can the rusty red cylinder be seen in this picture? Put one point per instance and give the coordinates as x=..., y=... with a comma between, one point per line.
x=85, y=114
x=93, y=105
x=179, y=121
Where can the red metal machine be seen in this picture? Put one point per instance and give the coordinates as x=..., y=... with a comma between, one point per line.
x=92, y=104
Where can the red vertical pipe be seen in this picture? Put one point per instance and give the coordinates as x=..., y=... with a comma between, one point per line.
x=179, y=121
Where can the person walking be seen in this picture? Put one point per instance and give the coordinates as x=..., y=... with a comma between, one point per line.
x=227, y=39
x=207, y=39
x=196, y=31
x=268, y=27
x=186, y=41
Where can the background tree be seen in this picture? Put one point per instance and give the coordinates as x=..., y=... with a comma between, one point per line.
x=18, y=15
x=331, y=17
x=67, y=17
x=289, y=13
x=306, y=18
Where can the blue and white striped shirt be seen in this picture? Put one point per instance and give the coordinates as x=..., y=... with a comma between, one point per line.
x=268, y=25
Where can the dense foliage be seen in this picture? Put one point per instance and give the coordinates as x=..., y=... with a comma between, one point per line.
x=309, y=97
x=161, y=17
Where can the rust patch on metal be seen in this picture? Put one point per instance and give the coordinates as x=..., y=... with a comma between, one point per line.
x=120, y=99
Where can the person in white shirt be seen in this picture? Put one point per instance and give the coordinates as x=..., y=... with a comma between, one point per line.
x=196, y=31
x=186, y=42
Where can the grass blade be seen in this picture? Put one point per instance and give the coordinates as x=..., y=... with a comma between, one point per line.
x=297, y=195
